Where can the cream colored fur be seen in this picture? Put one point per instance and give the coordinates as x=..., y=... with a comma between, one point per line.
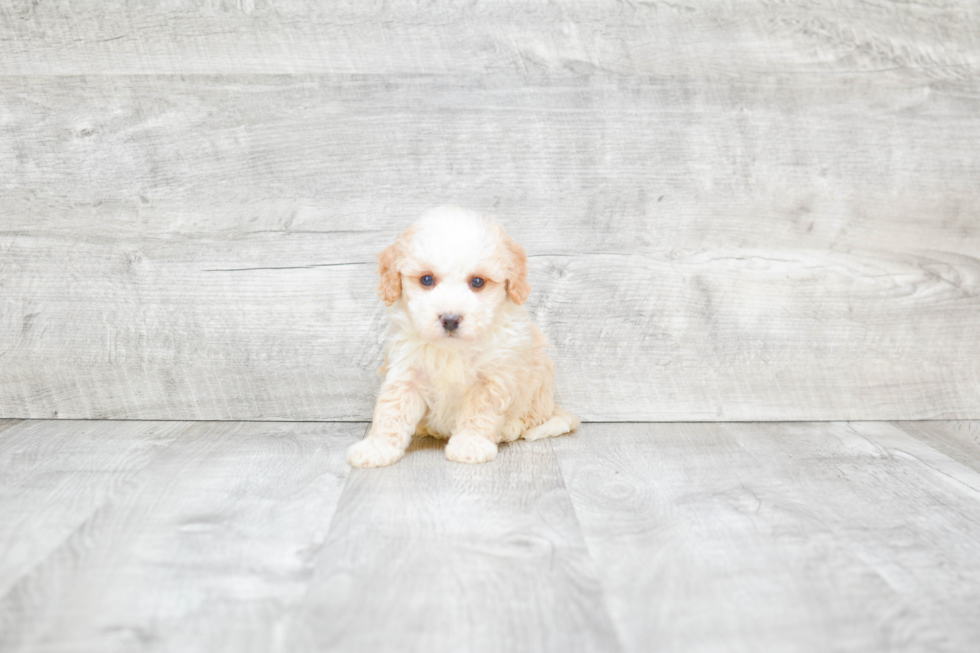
x=487, y=382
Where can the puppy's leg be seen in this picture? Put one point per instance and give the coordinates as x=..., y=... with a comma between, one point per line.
x=561, y=423
x=474, y=440
x=396, y=414
x=512, y=429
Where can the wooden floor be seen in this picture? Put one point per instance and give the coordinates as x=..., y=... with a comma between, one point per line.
x=250, y=536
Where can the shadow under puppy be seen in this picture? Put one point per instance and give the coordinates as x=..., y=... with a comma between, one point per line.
x=464, y=361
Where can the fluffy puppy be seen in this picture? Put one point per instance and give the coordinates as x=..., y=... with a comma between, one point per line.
x=464, y=361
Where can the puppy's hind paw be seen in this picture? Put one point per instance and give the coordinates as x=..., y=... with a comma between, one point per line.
x=511, y=430
x=373, y=453
x=470, y=449
x=563, y=422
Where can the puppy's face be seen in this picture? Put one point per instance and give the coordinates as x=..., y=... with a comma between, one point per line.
x=452, y=270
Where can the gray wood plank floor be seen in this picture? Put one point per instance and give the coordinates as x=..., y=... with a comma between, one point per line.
x=244, y=536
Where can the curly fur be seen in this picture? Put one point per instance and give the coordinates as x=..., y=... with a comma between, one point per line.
x=489, y=380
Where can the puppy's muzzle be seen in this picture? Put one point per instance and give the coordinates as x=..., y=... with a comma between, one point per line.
x=450, y=321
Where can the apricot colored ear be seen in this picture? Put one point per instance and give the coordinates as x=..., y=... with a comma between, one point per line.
x=517, y=286
x=390, y=285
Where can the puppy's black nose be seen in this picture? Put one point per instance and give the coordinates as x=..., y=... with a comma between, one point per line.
x=450, y=322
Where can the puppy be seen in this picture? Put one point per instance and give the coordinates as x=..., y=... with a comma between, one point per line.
x=464, y=361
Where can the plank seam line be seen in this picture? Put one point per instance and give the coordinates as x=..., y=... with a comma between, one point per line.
x=601, y=421
x=96, y=510
x=315, y=552
x=592, y=560
x=291, y=267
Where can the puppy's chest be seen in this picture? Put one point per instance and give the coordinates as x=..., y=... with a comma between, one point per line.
x=445, y=383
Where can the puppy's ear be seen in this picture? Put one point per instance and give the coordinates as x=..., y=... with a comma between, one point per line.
x=390, y=285
x=517, y=286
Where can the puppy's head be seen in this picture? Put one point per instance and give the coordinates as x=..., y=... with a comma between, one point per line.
x=452, y=270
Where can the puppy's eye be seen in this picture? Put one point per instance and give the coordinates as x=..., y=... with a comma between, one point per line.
x=427, y=280
x=476, y=283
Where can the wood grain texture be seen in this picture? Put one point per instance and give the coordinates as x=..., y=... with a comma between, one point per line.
x=960, y=440
x=215, y=537
x=763, y=247
x=930, y=40
x=428, y=555
x=790, y=537
x=57, y=475
x=598, y=163
x=204, y=547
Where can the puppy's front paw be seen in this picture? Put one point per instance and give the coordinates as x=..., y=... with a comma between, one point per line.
x=373, y=453
x=470, y=449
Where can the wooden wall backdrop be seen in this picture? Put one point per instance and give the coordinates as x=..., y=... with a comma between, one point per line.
x=734, y=211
